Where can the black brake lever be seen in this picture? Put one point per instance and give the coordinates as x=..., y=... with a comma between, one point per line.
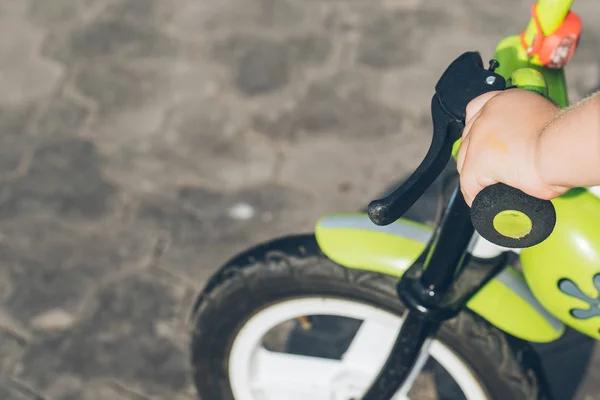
x=465, y=79
x=393, y=206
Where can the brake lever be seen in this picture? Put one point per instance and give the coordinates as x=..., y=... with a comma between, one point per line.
x=464, y=80
x=388, y=209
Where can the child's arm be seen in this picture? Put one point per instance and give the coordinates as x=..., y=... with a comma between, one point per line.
x=523, y=140
x=568, y=152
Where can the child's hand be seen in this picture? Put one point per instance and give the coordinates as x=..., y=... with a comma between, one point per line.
x=500, y=143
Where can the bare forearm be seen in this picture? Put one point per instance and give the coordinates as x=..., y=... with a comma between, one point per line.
x=568, y=152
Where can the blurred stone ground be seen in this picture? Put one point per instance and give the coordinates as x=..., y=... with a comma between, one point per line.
x=142, y=142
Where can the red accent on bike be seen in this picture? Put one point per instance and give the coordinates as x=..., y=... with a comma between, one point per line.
x=556, y=49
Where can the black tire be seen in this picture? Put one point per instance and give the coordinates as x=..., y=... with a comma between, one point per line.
x=295, y=267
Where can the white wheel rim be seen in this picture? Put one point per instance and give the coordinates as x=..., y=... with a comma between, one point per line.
x=258, y=374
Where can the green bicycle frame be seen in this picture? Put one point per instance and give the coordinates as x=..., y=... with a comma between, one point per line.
x=559, y=282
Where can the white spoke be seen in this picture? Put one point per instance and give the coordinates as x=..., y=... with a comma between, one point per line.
x=291, y=373
x=372, y=343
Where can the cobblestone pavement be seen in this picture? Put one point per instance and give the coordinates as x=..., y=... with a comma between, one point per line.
x=144, y=141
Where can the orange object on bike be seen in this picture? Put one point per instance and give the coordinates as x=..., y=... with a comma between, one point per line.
x=556, y=49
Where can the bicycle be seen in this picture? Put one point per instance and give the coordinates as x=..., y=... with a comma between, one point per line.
x=403, y=296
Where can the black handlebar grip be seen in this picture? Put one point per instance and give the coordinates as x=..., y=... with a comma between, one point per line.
x=511, y=218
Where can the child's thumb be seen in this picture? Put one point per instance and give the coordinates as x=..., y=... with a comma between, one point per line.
x=478, y=102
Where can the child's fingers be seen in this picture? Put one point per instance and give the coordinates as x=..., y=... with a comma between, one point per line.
x=465, y=140
x=466, y=195
x=471, y=183
x=478, y=102
x=474, y=109
x=468, y=182
x=469, y=188
x=462, y=153
x=464, y=144
x=469, y=125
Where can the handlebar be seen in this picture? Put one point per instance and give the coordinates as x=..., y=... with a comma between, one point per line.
x=501, y=214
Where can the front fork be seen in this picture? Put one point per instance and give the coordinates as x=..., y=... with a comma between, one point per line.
x=435, y=289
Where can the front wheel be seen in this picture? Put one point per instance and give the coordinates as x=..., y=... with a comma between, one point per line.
x=282, y=321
